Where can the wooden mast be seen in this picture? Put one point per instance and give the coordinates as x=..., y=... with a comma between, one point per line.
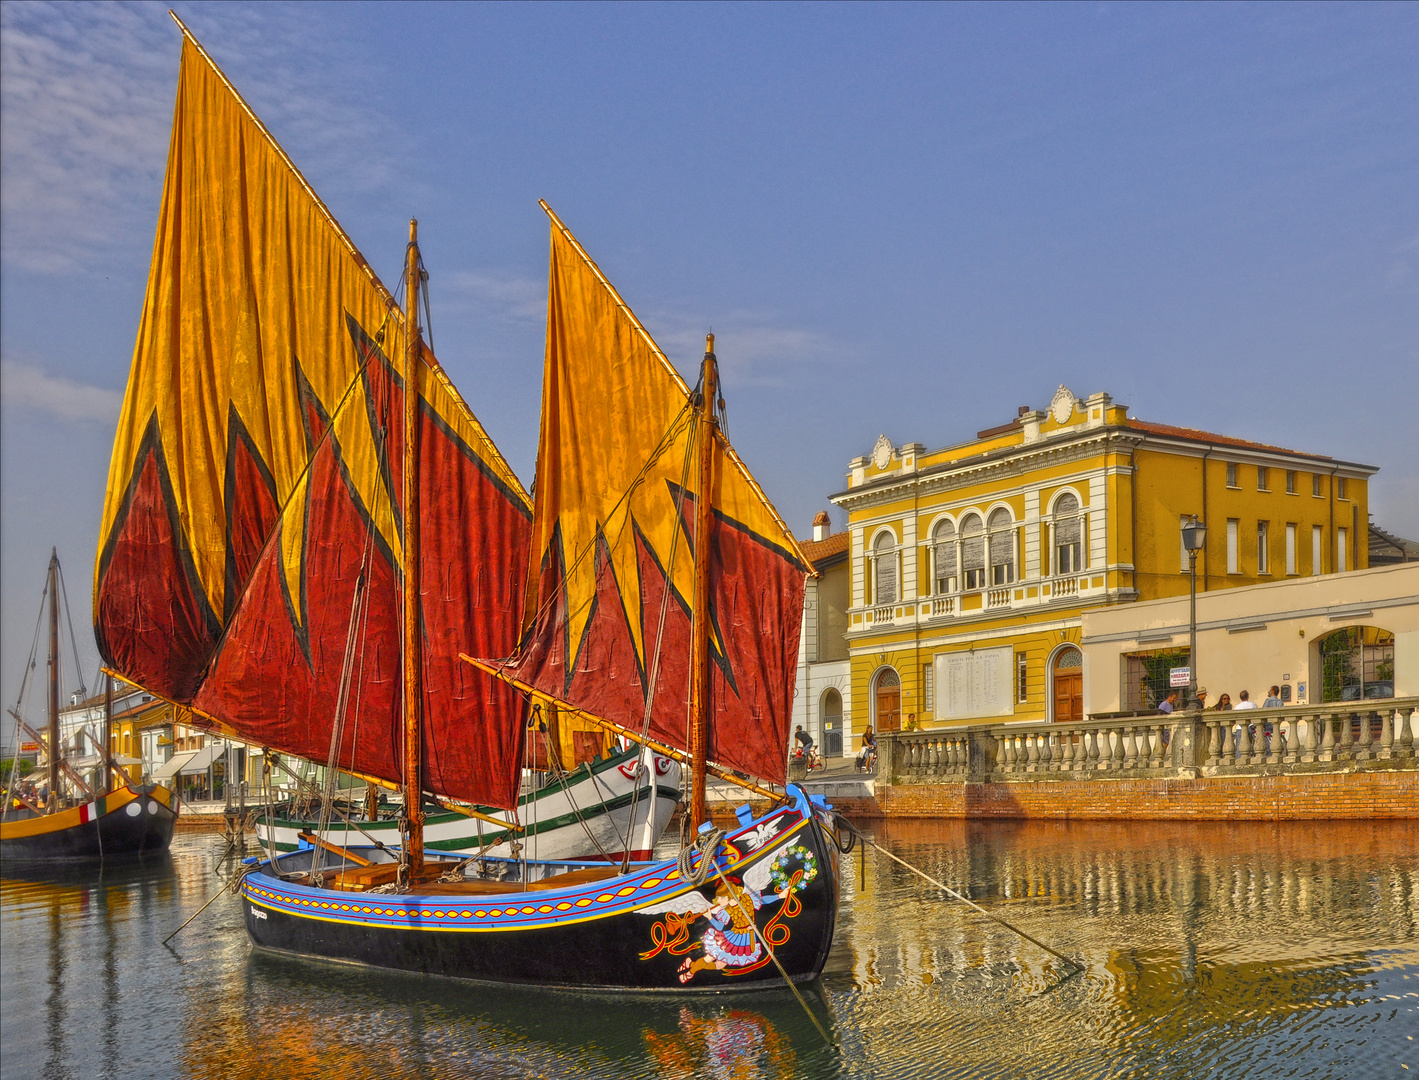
x=699, y=609
x=53, y=679
x=413, y=856
x=108, y=755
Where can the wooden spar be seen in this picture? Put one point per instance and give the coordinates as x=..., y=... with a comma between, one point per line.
x=108, y=733
x=699, y=607
x=54, y=678
x=412, y=660
x=634, y=736
x=65, y=767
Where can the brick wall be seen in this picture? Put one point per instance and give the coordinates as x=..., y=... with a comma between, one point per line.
x=1370, y=794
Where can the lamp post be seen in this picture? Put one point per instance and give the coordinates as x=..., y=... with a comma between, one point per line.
x=1194, y=535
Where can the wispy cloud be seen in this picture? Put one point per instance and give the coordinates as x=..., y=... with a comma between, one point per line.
x=30, y=386
x=86, y=99
x=504, y=296
x=753, y=349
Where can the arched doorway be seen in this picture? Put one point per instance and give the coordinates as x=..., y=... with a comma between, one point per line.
x=1067, y=685
x=1356, y=662
x=832, y=714
x=887, y=701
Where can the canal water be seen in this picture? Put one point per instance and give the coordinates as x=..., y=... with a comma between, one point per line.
x=1239, y=950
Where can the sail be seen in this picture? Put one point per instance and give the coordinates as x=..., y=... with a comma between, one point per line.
x=256, y=482
x=611, y=570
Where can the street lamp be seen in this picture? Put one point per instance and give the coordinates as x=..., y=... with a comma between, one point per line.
x=1194, y=535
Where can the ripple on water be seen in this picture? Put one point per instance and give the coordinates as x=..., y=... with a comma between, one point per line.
x=1208, y=951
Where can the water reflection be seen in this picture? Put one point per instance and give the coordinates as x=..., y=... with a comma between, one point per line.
x=1279, y=949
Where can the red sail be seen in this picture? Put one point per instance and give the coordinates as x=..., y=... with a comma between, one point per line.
x=613, y=549
x=255, y=480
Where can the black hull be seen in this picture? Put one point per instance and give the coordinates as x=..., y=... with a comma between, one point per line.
x=617, y=950
x=114, y=834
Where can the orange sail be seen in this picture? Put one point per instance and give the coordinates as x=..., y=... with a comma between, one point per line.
x=612, y=563
x=250, y=555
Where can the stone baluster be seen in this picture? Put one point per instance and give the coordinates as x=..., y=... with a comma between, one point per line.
x=1406, y=733
x=1311, y=751
x=1130, y=748
x=964, y=751
x=1290, y=752
x=1091, y=748
x=1365, y=744
x=1386, y=749
x=1258, y=742
x=1018, y=754
x=1081, y=748
x=948, y=760
x=1244, y=740
x=1032, y=753
x=1229, y=742
x=1117, y=765
x=1327, y=741
x=1047, y=751
x=1156, y=758
x=1346, y=749
x=1214, y=743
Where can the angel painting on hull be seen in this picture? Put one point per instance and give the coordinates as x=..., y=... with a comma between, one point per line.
x=730, y=940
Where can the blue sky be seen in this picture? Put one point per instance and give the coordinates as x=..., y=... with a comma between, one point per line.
x=897, y=219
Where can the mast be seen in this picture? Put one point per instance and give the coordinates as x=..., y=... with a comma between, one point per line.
x=54, y=676
x=413, y=857
x=699, y=609
x=108, y=769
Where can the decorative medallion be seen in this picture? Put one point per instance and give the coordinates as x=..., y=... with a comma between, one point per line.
x=882, y=452
x=1062, y=404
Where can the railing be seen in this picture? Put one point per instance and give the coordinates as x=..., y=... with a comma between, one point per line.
x=883, y=614
x=1340, y=735
x=1064, y=587
x=997, y=598
x=943, y=605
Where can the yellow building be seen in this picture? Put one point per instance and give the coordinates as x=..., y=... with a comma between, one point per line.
x=972, y=565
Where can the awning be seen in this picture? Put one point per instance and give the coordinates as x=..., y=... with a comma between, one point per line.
x=121, y=759
x=169, y=768
x=202, y=760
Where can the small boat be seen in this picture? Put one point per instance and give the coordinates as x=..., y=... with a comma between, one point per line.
x=602, y=809
x=123, y=821
x=334, y=562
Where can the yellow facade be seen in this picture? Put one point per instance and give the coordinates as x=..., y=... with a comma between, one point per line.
x=972, y=565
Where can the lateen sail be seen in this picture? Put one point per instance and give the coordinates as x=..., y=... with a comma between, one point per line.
x=613, y=531
x=256, y=478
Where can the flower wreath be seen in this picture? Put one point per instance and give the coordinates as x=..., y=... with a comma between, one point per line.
x=805, y=858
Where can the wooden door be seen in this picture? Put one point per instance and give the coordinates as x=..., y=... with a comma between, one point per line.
x=1068, y=697
x=889, y=708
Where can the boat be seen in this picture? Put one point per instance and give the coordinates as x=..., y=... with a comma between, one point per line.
x=119, y=821
x=317, y=596
x=608, y=809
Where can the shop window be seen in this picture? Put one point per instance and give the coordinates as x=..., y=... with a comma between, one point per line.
x=972, y=552
x=945, y=556
x=1357, y=663
x=1002, y=547
x=1146, y=677
x=1068, y=535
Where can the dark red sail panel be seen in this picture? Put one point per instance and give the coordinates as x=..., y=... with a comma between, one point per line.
x=277, y=677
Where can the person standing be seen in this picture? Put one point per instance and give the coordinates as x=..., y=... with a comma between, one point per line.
x=1169, y=703
x=1273, y=699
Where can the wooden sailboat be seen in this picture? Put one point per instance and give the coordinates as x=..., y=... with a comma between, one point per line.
x=115, y=822
x=316, y=593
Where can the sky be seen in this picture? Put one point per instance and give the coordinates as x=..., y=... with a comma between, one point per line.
x=899, y=220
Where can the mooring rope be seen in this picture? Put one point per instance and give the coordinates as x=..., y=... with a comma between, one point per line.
x=1077, y=967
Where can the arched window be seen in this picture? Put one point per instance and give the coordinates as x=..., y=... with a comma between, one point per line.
x=1002, y=547
x=884, y=553
x=972, y=552
x=943, y=540
x=1068, y=535
x=1356, y=663
x=831, y=710
x=887, y=699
